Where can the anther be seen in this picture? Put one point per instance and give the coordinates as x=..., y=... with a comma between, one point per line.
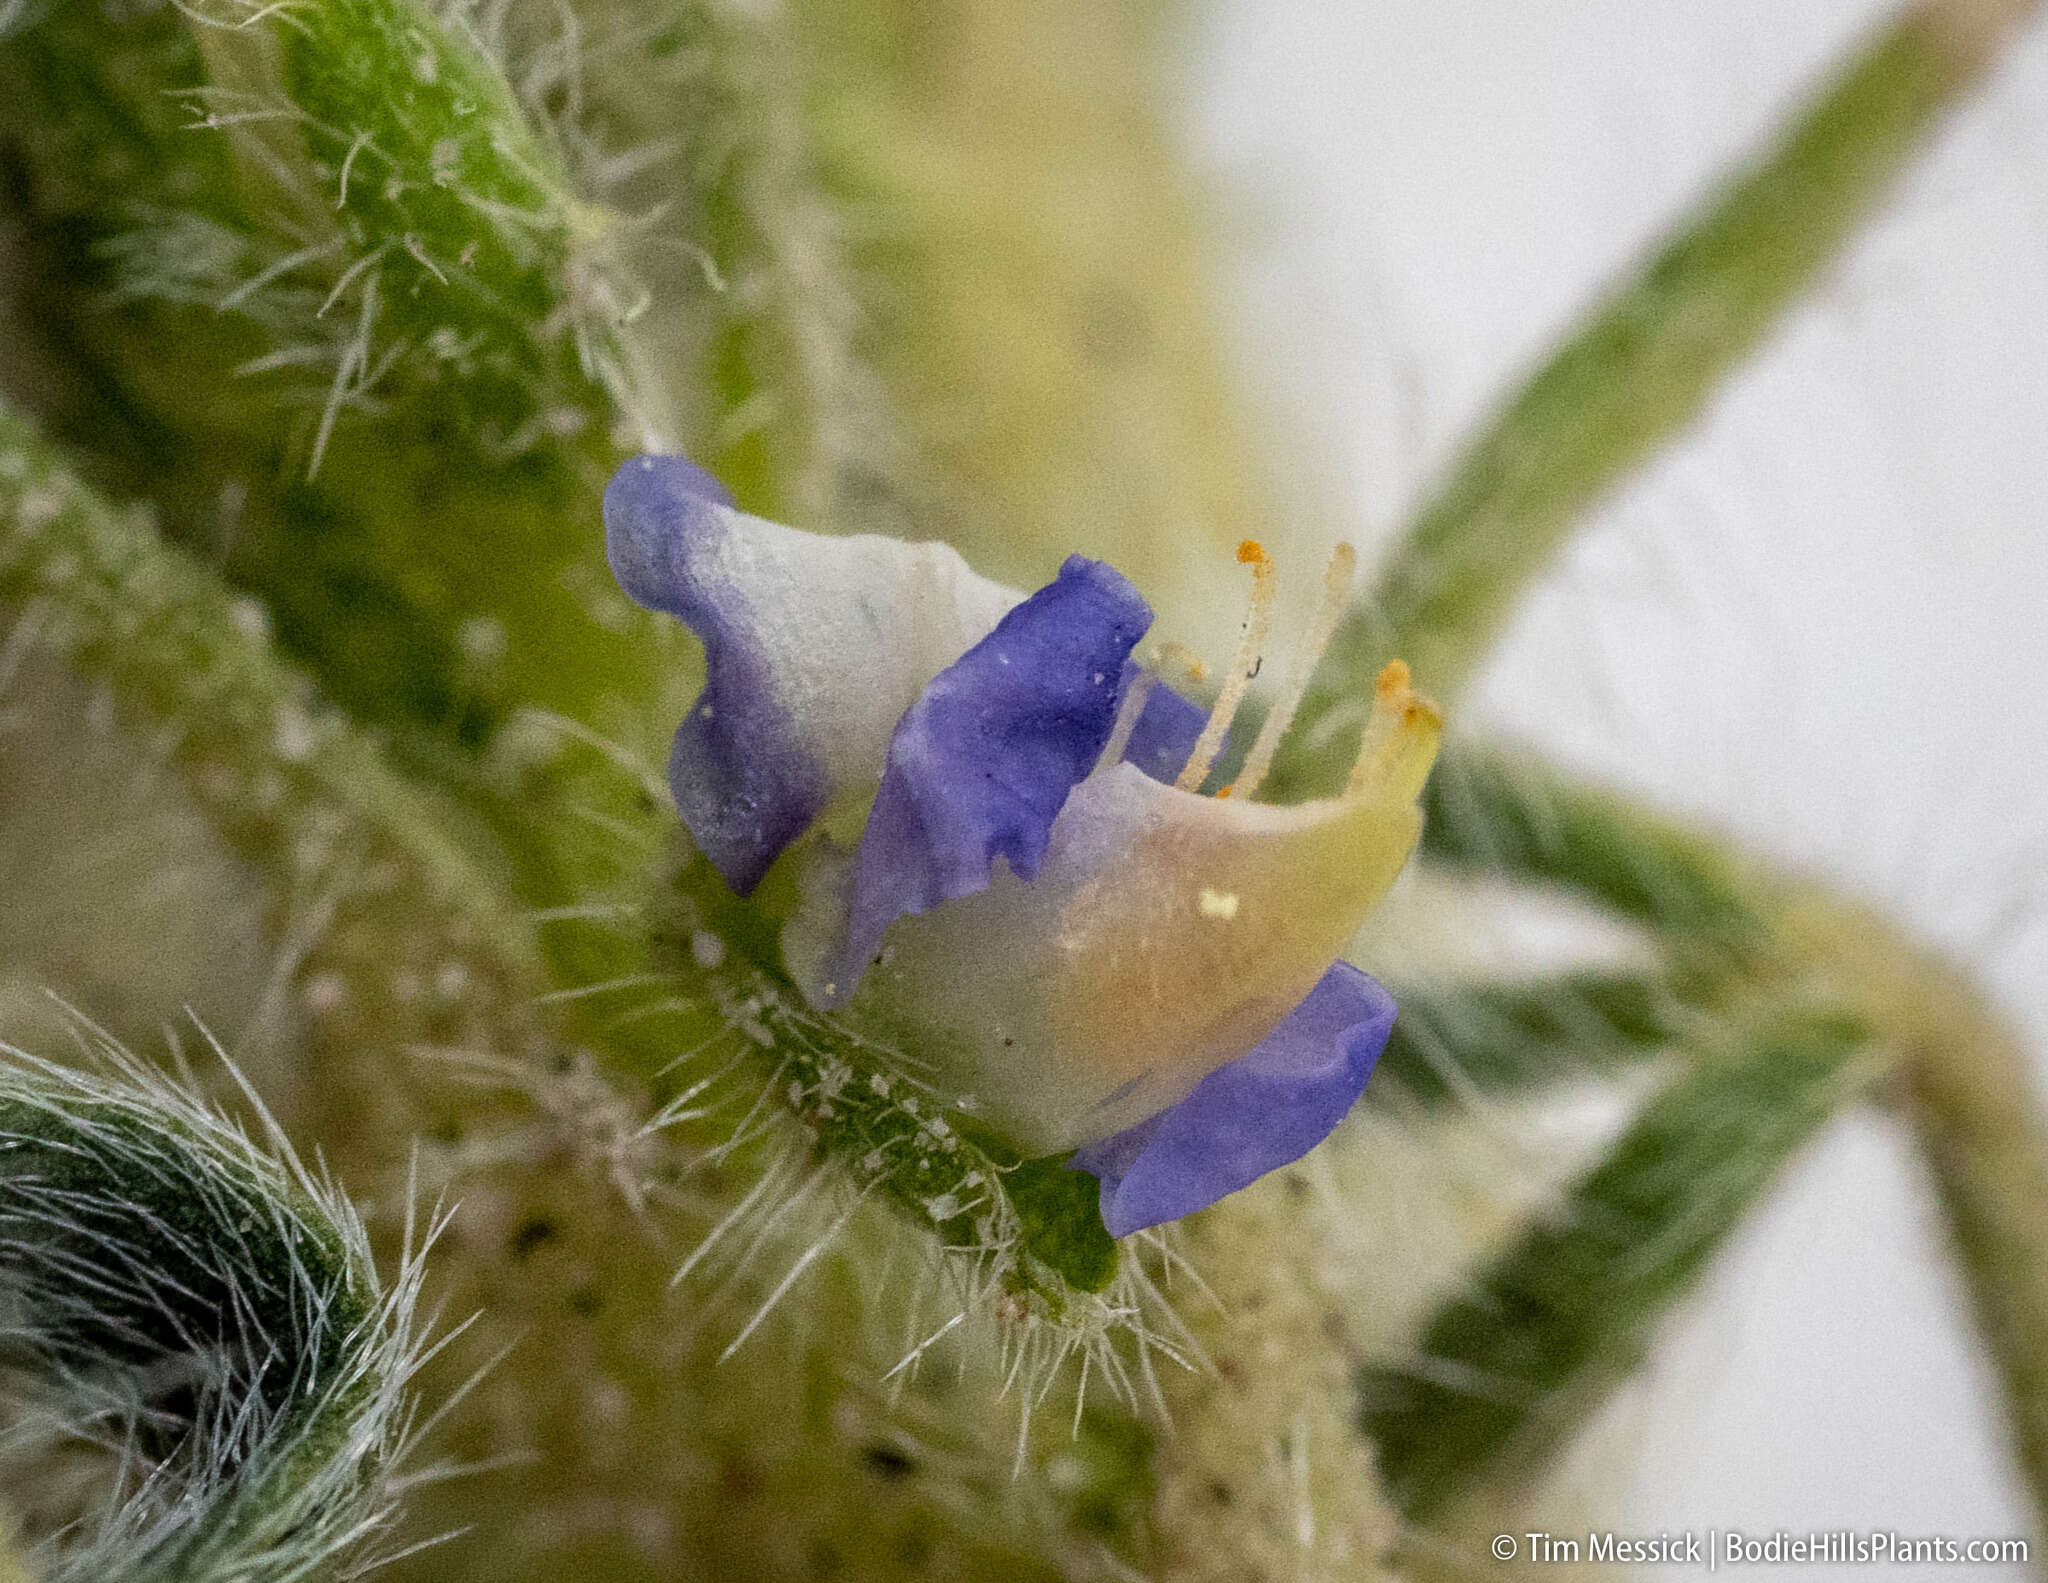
x=1399, y=742
x=1165, y=654
x=1336, y=598
x=1258, y=618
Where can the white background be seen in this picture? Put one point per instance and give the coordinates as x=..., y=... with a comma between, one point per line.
x=1816, y=621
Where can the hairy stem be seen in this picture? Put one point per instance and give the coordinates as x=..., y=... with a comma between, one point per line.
x=1260, y=1472
x=1641, y=367
x=1961, y=1075
x=1971, y=1094
x=1503, y=1373
x=1966, y=1083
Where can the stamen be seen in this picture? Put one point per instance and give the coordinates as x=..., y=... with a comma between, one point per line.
x=1336, y=597
x=1164, y=654
x=1249, y=650
x=1127, y=713
x=1399, y=743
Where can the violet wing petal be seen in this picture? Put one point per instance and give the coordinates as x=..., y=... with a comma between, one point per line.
x=982, y=763
x=1166, y=731
x=1262, y=1111
x=814, y=646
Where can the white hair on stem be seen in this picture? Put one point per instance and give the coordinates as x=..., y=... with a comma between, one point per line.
x=194, y=1314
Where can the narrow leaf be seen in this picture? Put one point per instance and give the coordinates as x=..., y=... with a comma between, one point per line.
x=1495, y=811
x=1505, y=1370
x=1645, y=361
x=1497, y=1040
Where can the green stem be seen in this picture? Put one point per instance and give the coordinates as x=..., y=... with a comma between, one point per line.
x=1963, y=1077
x=1505, y=1372
x=1645, y=363
x=1967, y=1085
x=1972, y=1096
x=1497, y=810
x=1506, y=1039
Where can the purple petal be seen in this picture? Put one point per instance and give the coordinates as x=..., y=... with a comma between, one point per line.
x=1167, y=728
x=1264, y=1110
x=745, y=783
x=814, y=646
x=982, y=763
x=655, y=509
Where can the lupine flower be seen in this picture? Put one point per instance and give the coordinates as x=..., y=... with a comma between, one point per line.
x=990, y=817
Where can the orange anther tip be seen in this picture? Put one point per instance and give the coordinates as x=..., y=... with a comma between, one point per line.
x=1226, y=791
x=1250, y=552
x=1393, y=677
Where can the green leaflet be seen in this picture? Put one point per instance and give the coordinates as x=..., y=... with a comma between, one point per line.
x=208, y=1308
x=1505, y=812
x=1504, y=1371
x=1641, y=365
x=1506, y=1039
x=415, y=139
